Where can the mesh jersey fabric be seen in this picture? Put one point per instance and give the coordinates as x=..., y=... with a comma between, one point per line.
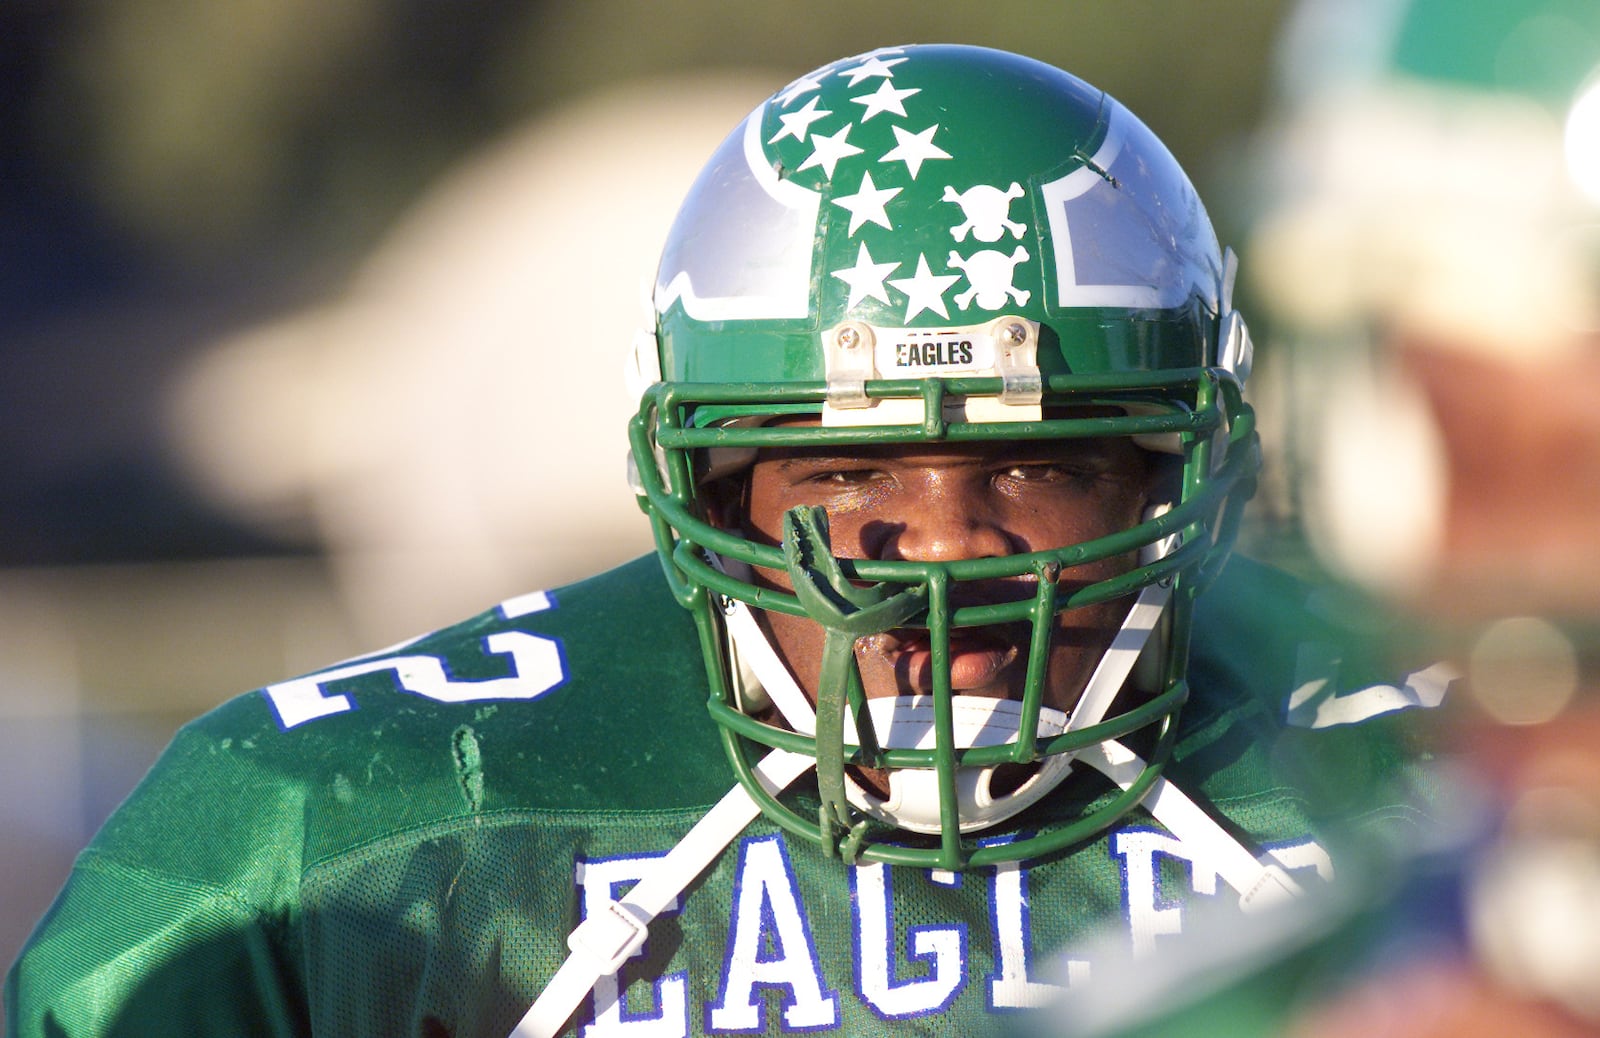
x=400, y=844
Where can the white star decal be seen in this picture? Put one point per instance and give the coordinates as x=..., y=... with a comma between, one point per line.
x=803, y=85
x=886, y=98
x=873, y=66
x=867, y=204
x=829, y=150
x=797, y=124
x=914, y=148
x=925, y=290
x=866, y=277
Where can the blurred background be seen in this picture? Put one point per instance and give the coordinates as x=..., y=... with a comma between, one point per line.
x=312, y=314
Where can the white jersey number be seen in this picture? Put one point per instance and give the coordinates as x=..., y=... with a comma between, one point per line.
x=535, y=668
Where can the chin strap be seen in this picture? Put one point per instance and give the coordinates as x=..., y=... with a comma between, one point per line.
x=605, y=940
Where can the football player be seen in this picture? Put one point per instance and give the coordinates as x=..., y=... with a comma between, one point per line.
x=943, y=439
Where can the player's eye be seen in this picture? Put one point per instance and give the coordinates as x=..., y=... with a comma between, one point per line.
x=1036, y=473
x=841, y=477
x=1049, y=474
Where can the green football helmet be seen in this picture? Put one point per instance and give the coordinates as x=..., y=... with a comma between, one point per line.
x=940, y=244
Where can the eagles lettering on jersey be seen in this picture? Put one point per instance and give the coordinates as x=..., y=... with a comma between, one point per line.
x=897, y=972
x=400, y=844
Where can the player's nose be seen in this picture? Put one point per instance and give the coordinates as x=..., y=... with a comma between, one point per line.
x=943, y=527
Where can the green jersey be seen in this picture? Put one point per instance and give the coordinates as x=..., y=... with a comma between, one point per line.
x=400, y=844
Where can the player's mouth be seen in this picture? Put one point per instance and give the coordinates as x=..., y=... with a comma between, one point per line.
x=979, y=659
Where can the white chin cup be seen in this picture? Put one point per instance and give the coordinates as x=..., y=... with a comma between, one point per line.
x=906, y=722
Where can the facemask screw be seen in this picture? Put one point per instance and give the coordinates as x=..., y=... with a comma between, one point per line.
x=1014, y=334
x=849, y=338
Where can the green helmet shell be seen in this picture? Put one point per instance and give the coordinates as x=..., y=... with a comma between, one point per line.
x=929, y=186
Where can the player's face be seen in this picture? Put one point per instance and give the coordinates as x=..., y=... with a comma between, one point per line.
x=964, y=501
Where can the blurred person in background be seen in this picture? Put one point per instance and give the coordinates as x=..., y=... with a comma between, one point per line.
x=942, y=439
x=1428, y=253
